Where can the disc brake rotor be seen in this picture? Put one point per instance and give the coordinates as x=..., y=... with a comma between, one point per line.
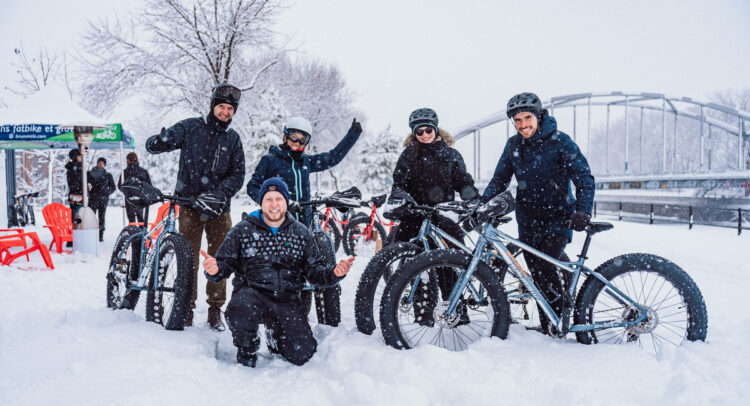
x=441, y=320
x=646, y=326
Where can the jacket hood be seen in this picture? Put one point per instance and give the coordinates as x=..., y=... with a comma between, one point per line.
x=443, y=135
x=549, y=126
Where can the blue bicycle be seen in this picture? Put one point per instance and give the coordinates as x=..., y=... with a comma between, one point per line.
x=159, y=261
x=633, y=298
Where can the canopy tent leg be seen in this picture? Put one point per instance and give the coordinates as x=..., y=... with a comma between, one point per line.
x=10, y=182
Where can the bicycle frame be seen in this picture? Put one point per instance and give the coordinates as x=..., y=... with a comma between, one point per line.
x=498, y=241
x=149, y=260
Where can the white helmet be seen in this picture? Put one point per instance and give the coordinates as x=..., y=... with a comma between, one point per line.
x=299, y=124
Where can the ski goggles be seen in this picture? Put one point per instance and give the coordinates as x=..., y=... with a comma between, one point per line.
x=228, y=92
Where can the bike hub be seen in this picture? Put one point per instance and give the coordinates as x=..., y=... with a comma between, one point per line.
x=647, y=325
x=444, y=320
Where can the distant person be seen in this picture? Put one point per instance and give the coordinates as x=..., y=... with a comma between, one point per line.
x=211, y=170
x=289, y=162
x=545, y=162
x=134, y=171
x=74, y=176
x=271, y=255
x=101, y=186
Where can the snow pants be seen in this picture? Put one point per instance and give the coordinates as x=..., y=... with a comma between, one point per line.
x=248, y=308
x=192, y=226
x=99, y=206
x=134, y=214
x=545, y=274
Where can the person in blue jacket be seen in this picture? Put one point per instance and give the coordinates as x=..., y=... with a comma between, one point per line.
x=289, y=162
x=545, y=161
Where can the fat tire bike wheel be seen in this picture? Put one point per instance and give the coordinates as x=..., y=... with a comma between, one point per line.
x=372, y=283
x=675, y=310
x=123, y=270
x=354, y=239
x=169, y=305
x=406, y=325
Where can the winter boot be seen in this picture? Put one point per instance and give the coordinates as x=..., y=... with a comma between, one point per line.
x=189, y=321
x=271, y=342
x=246, y=357
x=214, y=319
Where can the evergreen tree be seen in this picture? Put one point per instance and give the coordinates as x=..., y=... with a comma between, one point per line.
x=378, y=158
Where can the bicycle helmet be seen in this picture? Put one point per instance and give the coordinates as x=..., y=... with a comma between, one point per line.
x=421, y=117
x=523, y=102
x=225, y=93
x=298, y=124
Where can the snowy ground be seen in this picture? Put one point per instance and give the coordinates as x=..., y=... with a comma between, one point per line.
x=59, y=344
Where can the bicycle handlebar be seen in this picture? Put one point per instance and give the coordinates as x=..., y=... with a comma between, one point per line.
x=178, y=199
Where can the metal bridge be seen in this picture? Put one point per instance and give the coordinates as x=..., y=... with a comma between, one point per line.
x=644, y=149
x=655, y=142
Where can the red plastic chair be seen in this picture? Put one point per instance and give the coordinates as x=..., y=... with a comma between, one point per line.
x=19, y=242
x=16, y=240
x=59, y=223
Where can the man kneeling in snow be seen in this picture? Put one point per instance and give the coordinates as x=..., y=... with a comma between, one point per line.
x=271, y=255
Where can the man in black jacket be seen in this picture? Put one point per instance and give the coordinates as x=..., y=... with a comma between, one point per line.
x=74, y=176
x=212, y=170
x=102, y=185
x=134, y=171
x=271, y=255
x=545, y=162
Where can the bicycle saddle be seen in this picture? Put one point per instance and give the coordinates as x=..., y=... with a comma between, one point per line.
x=347, y=198
x=597, y=227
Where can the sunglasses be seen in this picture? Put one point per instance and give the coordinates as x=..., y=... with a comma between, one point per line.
x=427, y=130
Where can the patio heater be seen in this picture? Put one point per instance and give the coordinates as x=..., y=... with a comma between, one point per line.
x=85, y=223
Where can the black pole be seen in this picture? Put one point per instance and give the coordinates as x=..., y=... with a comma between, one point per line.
x=690, y=219
x=651, y=215
x=10, y=182
x=739, y=221
x=620, y=213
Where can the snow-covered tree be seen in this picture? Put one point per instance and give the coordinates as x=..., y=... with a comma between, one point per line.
x=377, y=159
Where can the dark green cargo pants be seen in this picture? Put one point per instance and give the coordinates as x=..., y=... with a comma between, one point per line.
x=192, y=226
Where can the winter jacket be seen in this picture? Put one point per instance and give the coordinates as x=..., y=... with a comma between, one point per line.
x=544, y=166
x=276, y=265
x=211, y=156
x=296, y=171
x=74, y=176
x=433, y=173
x=134, y=171
x=102, y=184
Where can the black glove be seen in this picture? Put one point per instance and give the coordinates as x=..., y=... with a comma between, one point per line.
x=579, y=220
x=210, y=204
x=356, y=127
x=293, y=207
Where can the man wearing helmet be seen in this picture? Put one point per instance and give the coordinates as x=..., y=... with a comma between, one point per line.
x=211, y=170
x=544, y=161
x=289, y=162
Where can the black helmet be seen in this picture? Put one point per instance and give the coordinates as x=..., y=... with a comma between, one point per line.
x=73, y=154
x=423, y=116
x=225, y=93
x=523, y=102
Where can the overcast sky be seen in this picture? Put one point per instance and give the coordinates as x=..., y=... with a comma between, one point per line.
x=466, y=58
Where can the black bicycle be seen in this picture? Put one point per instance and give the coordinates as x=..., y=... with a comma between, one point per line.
x=23, y=211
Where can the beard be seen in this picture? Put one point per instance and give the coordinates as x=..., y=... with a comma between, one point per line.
x=274, y=216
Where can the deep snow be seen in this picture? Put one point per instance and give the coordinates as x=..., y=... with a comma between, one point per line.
x=59, y=344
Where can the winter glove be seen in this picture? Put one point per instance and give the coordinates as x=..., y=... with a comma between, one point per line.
x=579, y=220
x=210, y=204
x=356, y=127
x=293, y=207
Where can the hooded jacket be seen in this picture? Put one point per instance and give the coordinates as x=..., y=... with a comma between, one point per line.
x=296, y=170
x=276, y=265
x=544, y=166
x=433, y=173
x=211, y=156
x=134, y=171
x=102, y=184
x=74, y=177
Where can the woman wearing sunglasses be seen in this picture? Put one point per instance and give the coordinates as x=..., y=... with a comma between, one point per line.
x=289, y=162
x=431, y=172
